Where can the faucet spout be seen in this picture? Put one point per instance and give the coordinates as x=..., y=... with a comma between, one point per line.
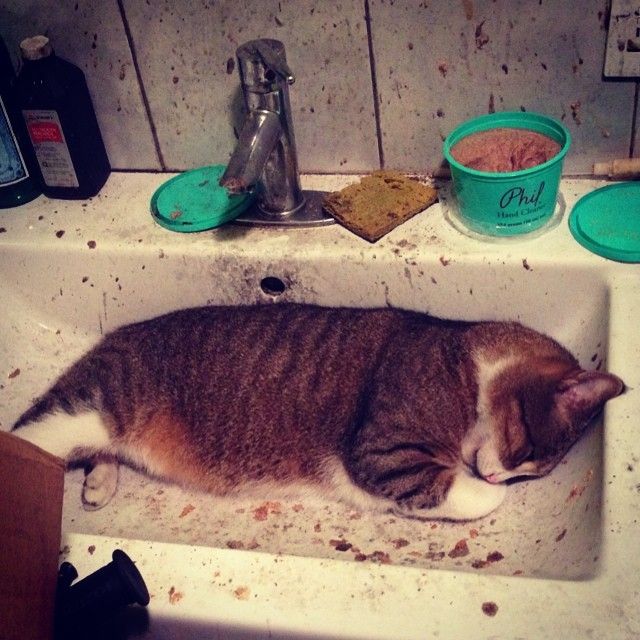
x=258, y=138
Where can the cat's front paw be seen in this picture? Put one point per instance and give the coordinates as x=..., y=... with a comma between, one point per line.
x=100, y=485
x=468, y=498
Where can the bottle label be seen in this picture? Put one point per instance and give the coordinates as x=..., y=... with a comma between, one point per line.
x=51, y=148
x=12, y=166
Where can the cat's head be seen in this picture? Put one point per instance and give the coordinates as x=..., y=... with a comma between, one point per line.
x=534, y=412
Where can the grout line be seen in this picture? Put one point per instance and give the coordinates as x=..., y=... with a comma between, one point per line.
x=126, y=170
x=634, y=122
x=565, y=176
x=374, y=83
x=143, y=93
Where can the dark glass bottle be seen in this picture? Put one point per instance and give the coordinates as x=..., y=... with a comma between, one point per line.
x=18, y=184
x=61, y=123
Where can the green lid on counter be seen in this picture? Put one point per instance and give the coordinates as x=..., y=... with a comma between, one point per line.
x=194, y=201
x=607, y=221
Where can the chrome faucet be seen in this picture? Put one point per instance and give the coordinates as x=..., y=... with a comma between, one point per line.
x=265, y=156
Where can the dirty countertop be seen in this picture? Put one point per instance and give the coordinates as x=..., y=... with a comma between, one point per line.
x=119, y=215
x=219, y=574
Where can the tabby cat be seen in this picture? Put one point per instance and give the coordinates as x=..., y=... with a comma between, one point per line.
x=381, y=408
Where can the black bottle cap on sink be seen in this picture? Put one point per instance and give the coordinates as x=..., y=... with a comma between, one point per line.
x=101, y=594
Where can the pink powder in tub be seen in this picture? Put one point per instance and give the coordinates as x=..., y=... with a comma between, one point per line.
x=501, y=150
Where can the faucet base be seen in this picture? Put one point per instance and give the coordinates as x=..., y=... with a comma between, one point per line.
x=310, y=214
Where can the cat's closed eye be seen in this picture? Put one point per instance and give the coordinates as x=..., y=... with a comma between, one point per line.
x=525, y=454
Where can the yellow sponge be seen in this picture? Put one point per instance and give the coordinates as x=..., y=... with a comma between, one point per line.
x=378, y=203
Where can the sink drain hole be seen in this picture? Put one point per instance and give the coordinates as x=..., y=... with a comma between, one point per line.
x=272, y=286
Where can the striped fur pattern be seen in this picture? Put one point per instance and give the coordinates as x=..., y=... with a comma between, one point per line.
x=383, y=408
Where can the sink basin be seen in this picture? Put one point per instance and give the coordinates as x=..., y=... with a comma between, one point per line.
x=63, y=291
x=549, y=527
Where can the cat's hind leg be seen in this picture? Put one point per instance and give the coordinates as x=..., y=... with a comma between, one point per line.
x=100, y=483
x=68, y=436
x=75, y=437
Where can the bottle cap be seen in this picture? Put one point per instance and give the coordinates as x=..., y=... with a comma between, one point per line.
x=35, y=48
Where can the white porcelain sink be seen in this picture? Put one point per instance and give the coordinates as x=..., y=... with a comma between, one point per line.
x=575, y=531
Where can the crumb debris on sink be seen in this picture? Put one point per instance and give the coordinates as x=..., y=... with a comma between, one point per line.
x=239, y=544
x=187, y=510
x=340, y=545
x=398, y=543
x=269, y=507
x=578, y=488
x=460, y=549
x=174, y=595
x=381, y=557
x=494, y=556
x=242, y=593
x=489, y=609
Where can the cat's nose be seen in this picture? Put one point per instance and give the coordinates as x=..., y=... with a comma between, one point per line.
x=493, y=478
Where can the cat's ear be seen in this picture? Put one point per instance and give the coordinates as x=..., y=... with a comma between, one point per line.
x=580, y=396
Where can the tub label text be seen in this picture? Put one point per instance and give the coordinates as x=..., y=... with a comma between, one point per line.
x=519, y=197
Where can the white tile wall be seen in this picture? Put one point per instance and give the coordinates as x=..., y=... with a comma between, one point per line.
x=437, y=63
x=186, y=52
x=92, y=36
x=440, y=63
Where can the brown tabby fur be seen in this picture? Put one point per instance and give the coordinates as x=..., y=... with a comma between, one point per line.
x=221, y=397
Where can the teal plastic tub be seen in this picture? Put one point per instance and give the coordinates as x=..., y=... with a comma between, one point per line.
x=515, y=202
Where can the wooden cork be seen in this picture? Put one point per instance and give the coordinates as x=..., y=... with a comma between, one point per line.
x=623, y=168
x=379, y=203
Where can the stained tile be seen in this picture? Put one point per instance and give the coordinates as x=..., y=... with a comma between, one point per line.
x=186, y=53
x=441, y=63
x=636, y=141
x=92, y=36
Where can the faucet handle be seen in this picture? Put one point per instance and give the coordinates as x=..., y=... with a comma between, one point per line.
x=263, y=61
x=274, y=59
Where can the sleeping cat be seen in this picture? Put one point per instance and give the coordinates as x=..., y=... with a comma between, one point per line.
x=382, y=408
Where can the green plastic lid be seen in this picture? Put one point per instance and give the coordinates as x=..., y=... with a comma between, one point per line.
x=194, y=201
x=607, y=221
